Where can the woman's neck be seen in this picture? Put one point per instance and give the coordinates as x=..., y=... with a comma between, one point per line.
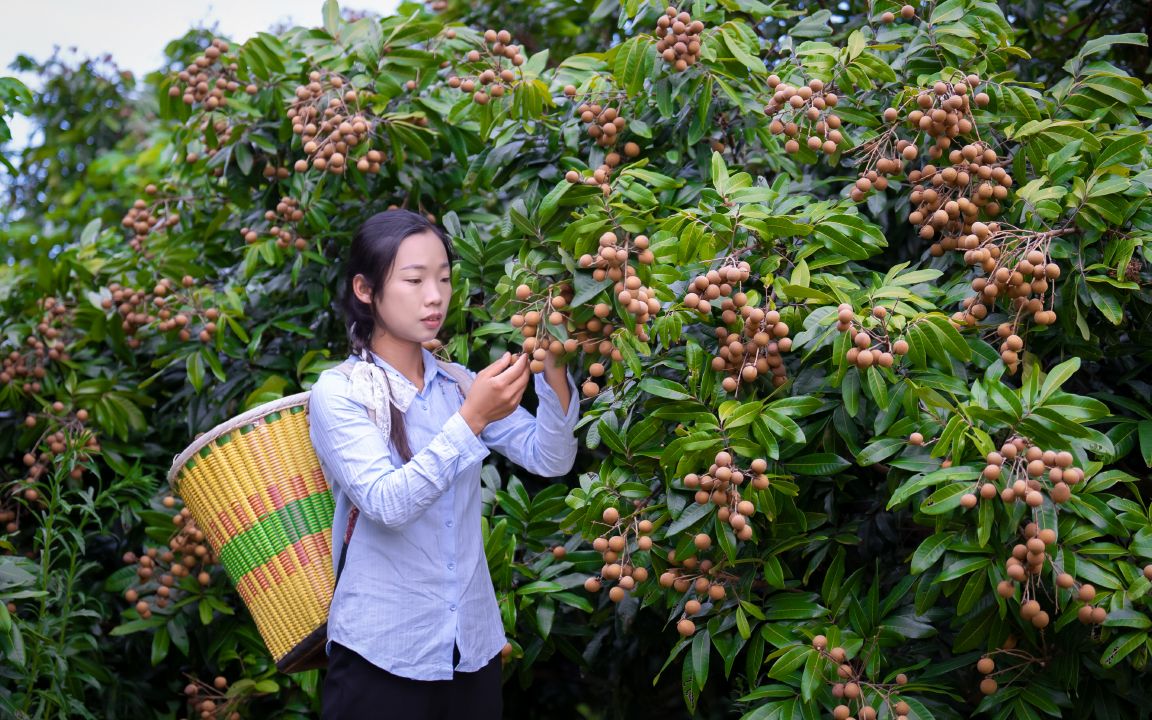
x=407, y=357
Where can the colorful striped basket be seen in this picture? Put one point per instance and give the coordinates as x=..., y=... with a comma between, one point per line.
x=255, y=487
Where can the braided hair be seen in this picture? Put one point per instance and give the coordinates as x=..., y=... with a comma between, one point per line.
x=373, y=253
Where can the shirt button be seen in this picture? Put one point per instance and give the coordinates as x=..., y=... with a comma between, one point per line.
x=451, y=566
x=425, y=406
x=452, y=607
x=448, y=523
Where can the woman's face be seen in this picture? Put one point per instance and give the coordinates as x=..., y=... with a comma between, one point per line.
x=414, y=298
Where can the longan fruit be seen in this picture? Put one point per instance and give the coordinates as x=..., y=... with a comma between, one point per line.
x=988, y=686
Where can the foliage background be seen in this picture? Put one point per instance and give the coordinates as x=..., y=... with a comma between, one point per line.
x=860, y=537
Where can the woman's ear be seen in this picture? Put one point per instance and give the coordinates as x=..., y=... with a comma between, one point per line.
x=361, y=289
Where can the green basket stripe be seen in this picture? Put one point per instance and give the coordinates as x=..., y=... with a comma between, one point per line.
x=275, y=532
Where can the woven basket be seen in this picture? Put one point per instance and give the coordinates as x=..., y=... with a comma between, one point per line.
x=255, y=487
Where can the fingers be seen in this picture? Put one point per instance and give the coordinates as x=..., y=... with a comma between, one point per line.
x=514, y=370
x=497, y=366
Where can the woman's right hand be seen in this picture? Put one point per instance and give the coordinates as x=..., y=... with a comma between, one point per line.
x=496, y=392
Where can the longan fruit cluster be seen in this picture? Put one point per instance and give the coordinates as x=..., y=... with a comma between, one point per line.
x=616, y=550
x=719, y=283
x=870, y=345
x=595, y=336
x=851, y=682
x=140, y=308
x=945, y=112
x=499, y=60
x=805, y=114
x=678, y=38
x=721, y=487
x=145, y=217
x=327, y=117
x=602, y=175
x=26, y=367
x=1018, y=269
x=907, y=12
x=753, y=351
x=211, y=701
x=272, y=172
x=639, y=302
x=603, y=124
x=207, y=78
x=286, y=218
x=883, y=156
x=1025, y=567
x=1025, y=472
x=611, y=261
x=72, y=434
x=986, y=666
x=538, y=341
x=756, y=351
x=10, y=518
x=947, y=202
x=159, y=571
x=705, y=580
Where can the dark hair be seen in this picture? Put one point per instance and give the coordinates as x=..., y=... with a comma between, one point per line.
x=372, y=255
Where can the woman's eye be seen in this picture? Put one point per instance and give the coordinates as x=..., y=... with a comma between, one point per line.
x=414, y=281
x=446, y=280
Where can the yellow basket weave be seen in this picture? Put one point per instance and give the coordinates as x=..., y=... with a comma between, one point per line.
x=255, y=487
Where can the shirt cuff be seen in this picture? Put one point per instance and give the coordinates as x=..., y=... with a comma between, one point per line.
x=471, y=448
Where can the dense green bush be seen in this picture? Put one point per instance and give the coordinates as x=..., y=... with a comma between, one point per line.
x=809, y=397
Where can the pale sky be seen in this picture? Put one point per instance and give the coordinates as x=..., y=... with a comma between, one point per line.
x=136, y=31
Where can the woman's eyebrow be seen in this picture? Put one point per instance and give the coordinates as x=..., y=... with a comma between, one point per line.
x=421, y=267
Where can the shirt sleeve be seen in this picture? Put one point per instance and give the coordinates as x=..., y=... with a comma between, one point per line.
x=544, y=444
x=356, y=456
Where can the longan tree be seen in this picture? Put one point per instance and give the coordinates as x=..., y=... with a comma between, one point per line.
x=857, y=301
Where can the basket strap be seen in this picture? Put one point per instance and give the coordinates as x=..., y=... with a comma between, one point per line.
x=464, y=383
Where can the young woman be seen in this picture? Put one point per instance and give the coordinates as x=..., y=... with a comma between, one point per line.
x=414, y=631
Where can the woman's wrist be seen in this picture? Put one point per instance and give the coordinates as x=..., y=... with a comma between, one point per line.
x=476, y=424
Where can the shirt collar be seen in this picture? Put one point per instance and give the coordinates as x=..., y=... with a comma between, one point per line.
x=431, y=368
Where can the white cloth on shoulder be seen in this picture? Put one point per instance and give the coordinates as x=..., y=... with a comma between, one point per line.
x=377, y=386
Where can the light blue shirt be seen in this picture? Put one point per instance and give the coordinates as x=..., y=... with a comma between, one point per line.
x=416, y=579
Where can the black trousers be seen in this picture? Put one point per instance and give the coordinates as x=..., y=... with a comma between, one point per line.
x=355, y=689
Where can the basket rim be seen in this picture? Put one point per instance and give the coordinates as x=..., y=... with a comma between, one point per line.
x=235, y=423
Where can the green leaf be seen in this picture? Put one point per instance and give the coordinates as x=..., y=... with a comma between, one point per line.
x=160, y=642
x=701, y=652
x=332, y=17
x=1121, y=647
x=195, y=366
x=634, y=63
x=945, y=499
x=1057, y=376
x=719, y=173
x=817, y=464
x=1108, y=42
x=930, y=551
x=880, y=450
x=662, y=387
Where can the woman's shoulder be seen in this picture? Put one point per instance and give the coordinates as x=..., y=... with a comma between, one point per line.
x=332, y=382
